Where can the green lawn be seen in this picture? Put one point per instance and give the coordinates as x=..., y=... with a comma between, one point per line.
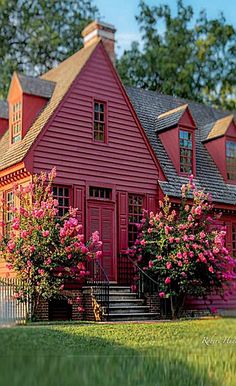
x=163, y=354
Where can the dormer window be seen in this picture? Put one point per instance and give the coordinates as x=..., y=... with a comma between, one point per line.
x=16, y=122
x=231, y=160
x=186, y=151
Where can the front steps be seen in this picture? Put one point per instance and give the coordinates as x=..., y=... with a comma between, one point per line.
x=124, y=306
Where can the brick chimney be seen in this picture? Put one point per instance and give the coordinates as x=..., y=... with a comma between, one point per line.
x=98, y=29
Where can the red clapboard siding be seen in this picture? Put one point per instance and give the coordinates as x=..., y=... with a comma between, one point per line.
x=68, y=141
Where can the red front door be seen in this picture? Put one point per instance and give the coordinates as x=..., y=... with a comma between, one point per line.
x=101, y=218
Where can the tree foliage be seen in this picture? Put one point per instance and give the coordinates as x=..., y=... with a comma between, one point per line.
x=37, y=34
x=183, y=56
x=184, y=252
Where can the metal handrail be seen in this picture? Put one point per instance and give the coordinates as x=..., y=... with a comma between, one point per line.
x=143, y=272
x=100, y=281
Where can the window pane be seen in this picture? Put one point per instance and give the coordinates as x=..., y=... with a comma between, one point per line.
x=231, y=160
x=186, y=154
x=134, y=216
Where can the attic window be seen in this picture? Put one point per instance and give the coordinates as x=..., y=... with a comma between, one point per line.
x=231, y=160
x=16, y=122
x=99, y=129
x=186, y=151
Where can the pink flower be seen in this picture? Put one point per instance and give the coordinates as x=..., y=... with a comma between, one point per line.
x=168, y=280
x=198, y=210
x=32, y=249
x=185, y=238
x=98, y=254
x=80, y=309
x=84, y=249
x=190, y=218
x=177, y=240
x=167, y=229
x=213, y=310
x=180, y=264
x=45, y=233
x=179, y=255
x=202, y=235
x=162, y=294
x=95, y=236
x=24, y=234
x=159, y=257
x=168, y=265
x=143, y=242
x=16, y=224
x=171, y=239
x=183, y=274
x=210, y=269
x=149, y=230
x=150, y=264
x=41, y=272
x=61, y=287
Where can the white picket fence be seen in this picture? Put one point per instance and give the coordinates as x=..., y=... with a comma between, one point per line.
x=12, y=311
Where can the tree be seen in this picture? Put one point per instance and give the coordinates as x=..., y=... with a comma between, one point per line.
x=184, y=252
x=194, y=60
x=43, y=250
x=35, y=35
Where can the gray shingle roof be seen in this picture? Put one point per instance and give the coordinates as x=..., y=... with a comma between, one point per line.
x=149, y=105
x=36, y=86
x=3, y=109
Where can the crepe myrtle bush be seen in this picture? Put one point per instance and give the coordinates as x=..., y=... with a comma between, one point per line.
x=184, y=250
x=42, y=249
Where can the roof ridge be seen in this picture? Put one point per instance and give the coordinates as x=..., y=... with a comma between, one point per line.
x=172, y=111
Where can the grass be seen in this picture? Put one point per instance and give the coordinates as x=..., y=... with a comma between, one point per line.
x=166, y=354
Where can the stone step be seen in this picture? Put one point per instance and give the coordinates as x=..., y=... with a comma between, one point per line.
x=128, y=309
x=119, y=288
x=113, y=296
x=131, y=317
x=125, y=302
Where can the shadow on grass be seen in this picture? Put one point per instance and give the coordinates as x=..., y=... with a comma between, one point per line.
x=55, y=357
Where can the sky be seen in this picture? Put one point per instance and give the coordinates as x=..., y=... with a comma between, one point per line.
x=122, y=13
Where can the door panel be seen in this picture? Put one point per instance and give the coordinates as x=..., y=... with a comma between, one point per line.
x=101, y=218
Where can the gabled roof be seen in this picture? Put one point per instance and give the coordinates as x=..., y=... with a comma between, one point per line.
x=149, y=104
x=218, y=129
x=63, y=76
x=170, y=118
x=3, y=109
x=36, y=86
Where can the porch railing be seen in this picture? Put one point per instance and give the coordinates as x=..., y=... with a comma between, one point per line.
x=130, y=273
x=100, y=282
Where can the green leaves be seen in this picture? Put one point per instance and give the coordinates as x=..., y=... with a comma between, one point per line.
x=194, y=61
x=35, y=35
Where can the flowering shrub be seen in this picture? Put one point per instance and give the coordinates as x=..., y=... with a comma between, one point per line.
x=43, y=249
x=185, y=251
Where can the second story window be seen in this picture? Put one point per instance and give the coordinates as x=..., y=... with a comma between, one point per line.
x=186, y=152
x=16, y=122
x=62, y=195
x=99, y=125
x=231, y=160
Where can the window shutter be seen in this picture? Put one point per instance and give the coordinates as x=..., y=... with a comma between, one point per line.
x=123, y=221
x=151, y=203
x=79, y=203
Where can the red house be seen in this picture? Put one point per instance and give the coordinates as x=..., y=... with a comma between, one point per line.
x=117, y=150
